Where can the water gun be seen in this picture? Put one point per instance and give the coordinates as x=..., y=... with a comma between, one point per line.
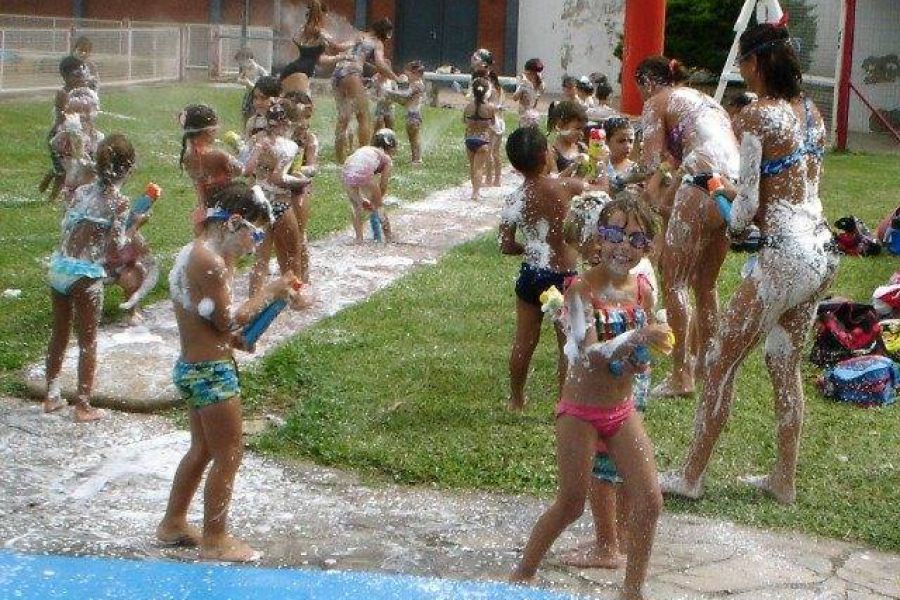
x=233, y=140
x=143, y=203
x=598, y=152
x=551, y=299
x=377, y=229
x=261, y=322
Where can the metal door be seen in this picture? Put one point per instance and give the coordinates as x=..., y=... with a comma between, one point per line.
x=436, y=32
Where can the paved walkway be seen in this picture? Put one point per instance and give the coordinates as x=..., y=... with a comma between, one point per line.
x=100, y=489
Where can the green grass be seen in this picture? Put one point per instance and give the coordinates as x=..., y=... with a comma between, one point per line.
x=411, y=385
x=29, y=227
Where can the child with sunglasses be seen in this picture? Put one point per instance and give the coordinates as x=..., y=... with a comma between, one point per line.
x=209, y=323
x=607, y=319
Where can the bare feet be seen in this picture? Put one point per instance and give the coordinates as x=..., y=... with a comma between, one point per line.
x=228, y=549
x=515, y=404
x=592, y=556
x=178, y=534
x=53, y=404
x=783, y=494
x=673, y=483
x=519, y=577
x=496, y=182
x=85, y=413
x=667, y=388
x=631, y=595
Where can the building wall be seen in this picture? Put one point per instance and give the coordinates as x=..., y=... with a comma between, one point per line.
x=183, y=11
x=492, y=29
x=45, y=8
x=877, y=24
x=572, y=37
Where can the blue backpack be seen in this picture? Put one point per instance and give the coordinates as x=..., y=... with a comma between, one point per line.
x=865, y=380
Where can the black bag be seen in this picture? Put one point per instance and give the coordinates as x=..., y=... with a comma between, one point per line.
x=844, y=329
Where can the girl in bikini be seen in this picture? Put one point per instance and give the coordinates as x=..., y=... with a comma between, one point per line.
x=567, y=151
x=531, y=86
x=349, y=91
x=478, y=116
x=92, y=229
x=366, y=175
x=691, y=129
x=210, y=168
x=782, y=142
x=606, y=317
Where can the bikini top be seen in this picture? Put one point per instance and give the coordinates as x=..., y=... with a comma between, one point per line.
x=809, y=147
x=363, y=50
x=563, y=162
x=613, y=320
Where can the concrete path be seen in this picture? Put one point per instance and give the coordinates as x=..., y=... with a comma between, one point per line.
x=100, y=489
x=134, y=364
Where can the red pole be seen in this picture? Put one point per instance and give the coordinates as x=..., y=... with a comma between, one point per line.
x=645, y=31
x=843, y=99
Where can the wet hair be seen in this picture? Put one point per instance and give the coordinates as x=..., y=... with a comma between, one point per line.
x=661, y=71
x=385, y=139
x=742, y=100
x=569, y=81
x=484, y=55
x=534, y=64
x=69, y=65
x=114, y=158
x=84, y=43
x=584, y=84
x=238, y=198
x=195, y=118
x=565, y=111
x=526, y=149
x=315, y=15
x=634, y=208
x=602, y=88
x=615, y=124
x=381, y=28
x=277, y=113
x=244, y=54
x=415, y=66
x=299, y=97
x=776, y=61
x=268, y=85
x=480, y=88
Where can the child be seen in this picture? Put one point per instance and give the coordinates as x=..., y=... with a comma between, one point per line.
x=264, y=92
x=307, y=165
x=75, y=75
x=200, y=286
x=76, y=140
x=620, y=139
x=602, y=90
x=208, y=167
x=596, y=403
x=568, y=151
x=412, y=98
x=478, y=116
x=273, y=155
x=249, y=72
x=531, y=85
x=584, y=91
x=384, y=105
x=539, y=210
x=569, y=90
x=82, y=50
x=366, y=193
x=94, y=225
x=496, y=98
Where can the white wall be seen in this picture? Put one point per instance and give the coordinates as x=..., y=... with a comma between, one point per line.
x=877, y=34
x=572, y=37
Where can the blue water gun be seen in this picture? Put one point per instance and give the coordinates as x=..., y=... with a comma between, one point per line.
x=142, y=203
x=261, y=322
x=377, y=229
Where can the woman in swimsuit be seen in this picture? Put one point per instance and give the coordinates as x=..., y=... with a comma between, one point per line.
x=688, y=127
x=781, y=159
x=313, y=44
x=479, y=118
x=92, y=229
x=347, y=83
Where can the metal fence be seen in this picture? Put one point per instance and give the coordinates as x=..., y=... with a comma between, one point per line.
x=213, y=46
x=29, y=57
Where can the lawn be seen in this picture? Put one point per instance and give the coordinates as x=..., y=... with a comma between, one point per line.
x=29, y=226
x=411, y=386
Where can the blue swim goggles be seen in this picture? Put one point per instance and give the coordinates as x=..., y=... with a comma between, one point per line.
x=218, y=214
x=638, y=239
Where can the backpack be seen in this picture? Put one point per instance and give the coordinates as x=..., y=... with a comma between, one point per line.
x=862, y=380
x=844, y=329
x=854, y=238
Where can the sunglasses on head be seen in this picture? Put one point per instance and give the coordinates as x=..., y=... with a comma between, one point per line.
x=617, y=235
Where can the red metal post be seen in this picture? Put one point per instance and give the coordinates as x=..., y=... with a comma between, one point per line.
x=843, y=98
x=645, y=30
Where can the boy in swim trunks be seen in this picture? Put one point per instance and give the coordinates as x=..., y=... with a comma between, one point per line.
x=538, y=211
x=607, y=339
x=208, y=324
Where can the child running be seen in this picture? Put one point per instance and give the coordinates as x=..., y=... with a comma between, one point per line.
x=200, y=285
x=365, y=191
x=479, y=117
x=93, y=227
x=538, y=209
x=596, y=402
